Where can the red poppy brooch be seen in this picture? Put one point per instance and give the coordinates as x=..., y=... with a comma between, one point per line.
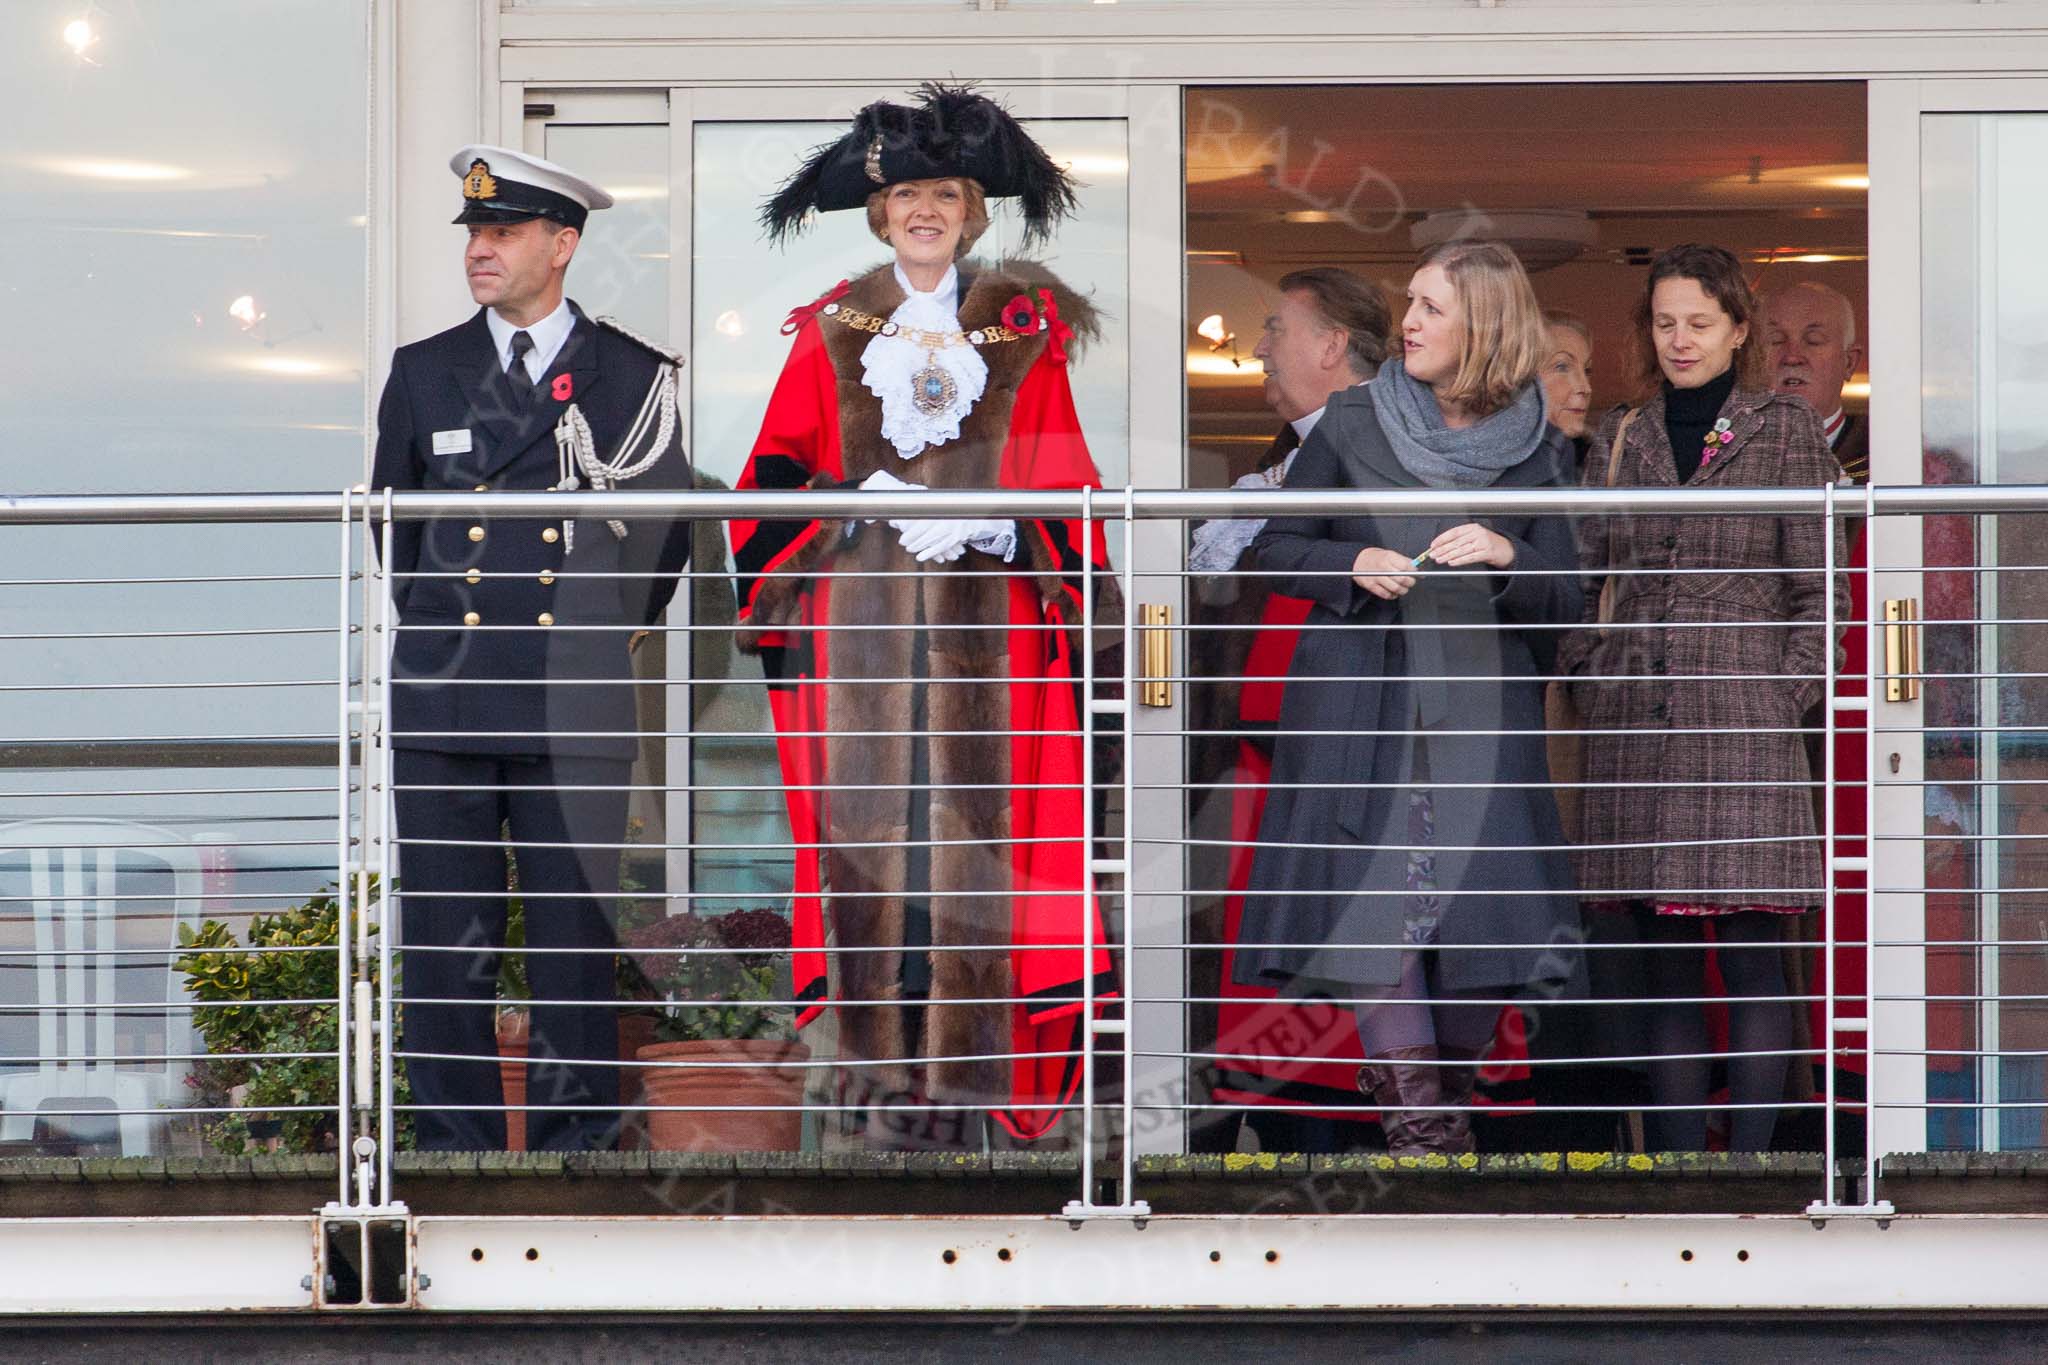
x=1019, y=316
x=564, y=386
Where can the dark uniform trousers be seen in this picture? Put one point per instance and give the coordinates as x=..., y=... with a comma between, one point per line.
x=565, y=843
x=512, y=702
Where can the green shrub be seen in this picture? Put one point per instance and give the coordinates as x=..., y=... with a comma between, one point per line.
x=246, y=978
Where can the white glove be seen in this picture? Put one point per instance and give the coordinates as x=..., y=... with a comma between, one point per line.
x=945, y=541
x=882, y=481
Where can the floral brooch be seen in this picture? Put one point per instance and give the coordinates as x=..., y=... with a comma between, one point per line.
x=1719, y=439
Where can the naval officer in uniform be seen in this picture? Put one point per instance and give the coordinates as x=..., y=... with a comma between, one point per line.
x=512, y=689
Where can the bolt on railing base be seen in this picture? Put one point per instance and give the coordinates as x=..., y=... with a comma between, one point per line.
x=1820, y=1210
x=1079, y=1210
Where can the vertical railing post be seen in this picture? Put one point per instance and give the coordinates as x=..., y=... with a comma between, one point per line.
x=1087, y=722
x=388, y=912
x=1872, y=646
x=1127, y=1128
x=346, y=849
x=1829, y=852
x=1864, y=1201
x=1091, y=1028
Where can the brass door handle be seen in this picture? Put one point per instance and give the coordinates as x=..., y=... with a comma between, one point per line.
x=1902, y=649
x=1155, y=654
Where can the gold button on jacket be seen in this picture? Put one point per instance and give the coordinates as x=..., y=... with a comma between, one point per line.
x=546, y=618
x=475, y=576
x=470, y=618
x=547, y=580
x=476, y=533
x=551, y=535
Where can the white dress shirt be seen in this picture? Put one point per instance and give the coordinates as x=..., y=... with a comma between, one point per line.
x=549, y=335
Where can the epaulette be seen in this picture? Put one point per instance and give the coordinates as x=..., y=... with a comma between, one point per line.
x=612, y=324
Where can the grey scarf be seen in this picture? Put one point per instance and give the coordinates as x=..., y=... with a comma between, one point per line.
x=1470, y=457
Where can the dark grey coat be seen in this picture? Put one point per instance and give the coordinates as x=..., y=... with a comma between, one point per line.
x=1331, y=868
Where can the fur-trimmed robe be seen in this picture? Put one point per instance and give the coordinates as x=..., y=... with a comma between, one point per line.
x=846, y=749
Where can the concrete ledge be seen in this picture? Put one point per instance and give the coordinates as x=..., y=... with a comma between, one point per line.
x=1024, y=1183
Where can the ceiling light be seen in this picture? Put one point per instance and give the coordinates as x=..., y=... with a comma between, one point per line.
x=1541, y=238
x=1845, y=182
x=1212, y=330
x=730, y=324
x=286, y=366
x=1085, y=166
x=1784, y=256
x=80, y=36
x=244, y=311
x=1857, y=388
x=98, y=168
x=1222, y=367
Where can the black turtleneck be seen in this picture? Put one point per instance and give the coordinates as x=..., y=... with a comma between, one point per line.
x=1689, y=415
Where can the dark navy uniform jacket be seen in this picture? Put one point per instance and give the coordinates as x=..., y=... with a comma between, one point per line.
x=495, y=654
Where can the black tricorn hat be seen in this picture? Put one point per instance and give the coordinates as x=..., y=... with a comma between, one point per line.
x=952, y=131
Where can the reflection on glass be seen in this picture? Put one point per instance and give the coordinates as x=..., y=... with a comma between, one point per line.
x=1984, y=413
x=186, y=187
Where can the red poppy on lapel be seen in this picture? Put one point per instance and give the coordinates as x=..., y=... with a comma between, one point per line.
x=1018, y=315
x=565, y=385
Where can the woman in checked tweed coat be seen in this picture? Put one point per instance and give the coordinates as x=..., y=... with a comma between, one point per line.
x=1699, y=808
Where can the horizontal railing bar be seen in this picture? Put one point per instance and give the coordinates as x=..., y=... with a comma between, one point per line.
x=253, y=950
x=166, y=686
x=79, y=1057
x=81, y=792
x=171, y=579
x=1068, y=504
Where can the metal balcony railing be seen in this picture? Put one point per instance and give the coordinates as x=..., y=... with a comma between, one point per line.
x=107, y=879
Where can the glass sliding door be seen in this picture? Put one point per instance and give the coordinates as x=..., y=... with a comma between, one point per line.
x=1984, y=420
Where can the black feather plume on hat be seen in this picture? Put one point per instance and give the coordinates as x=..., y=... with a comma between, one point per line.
x=978, y=132
x=953, y=131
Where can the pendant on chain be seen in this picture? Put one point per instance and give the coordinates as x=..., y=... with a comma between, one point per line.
x=932, y=389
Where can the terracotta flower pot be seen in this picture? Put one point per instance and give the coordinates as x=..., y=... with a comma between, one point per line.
x=512, y=1044
x=723, y=1120
x=635, y=1032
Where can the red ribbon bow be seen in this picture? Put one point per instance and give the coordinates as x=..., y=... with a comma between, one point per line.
x=1057, y=332
x=804, y=312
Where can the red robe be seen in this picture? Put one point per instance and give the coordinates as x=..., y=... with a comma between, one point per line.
x=800, y=445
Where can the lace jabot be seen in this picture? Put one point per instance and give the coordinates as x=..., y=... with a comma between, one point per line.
x=889, y=362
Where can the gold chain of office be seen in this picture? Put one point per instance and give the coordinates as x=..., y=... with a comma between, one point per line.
x=994, y=335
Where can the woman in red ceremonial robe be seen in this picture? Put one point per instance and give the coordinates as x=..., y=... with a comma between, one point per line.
x=924, y=674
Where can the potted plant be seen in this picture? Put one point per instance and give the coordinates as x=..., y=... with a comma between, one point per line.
x=726, y=1073
x=288, y=956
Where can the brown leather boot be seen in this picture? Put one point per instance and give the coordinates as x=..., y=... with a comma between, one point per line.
x=1460, y=1075
x=1408, y=1077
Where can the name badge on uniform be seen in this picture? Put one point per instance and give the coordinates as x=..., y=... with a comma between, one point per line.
x=452, y=442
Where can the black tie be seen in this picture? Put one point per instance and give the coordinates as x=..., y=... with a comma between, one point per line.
x=516, y=372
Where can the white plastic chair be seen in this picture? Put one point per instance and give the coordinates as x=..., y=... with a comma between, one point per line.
x=74, y=868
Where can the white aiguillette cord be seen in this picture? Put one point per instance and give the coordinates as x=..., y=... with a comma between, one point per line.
x=576, y=449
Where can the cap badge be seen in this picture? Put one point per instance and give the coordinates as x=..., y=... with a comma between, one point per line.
x=479, y=183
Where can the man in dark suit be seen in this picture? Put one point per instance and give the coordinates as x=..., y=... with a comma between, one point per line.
x=511, y=684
